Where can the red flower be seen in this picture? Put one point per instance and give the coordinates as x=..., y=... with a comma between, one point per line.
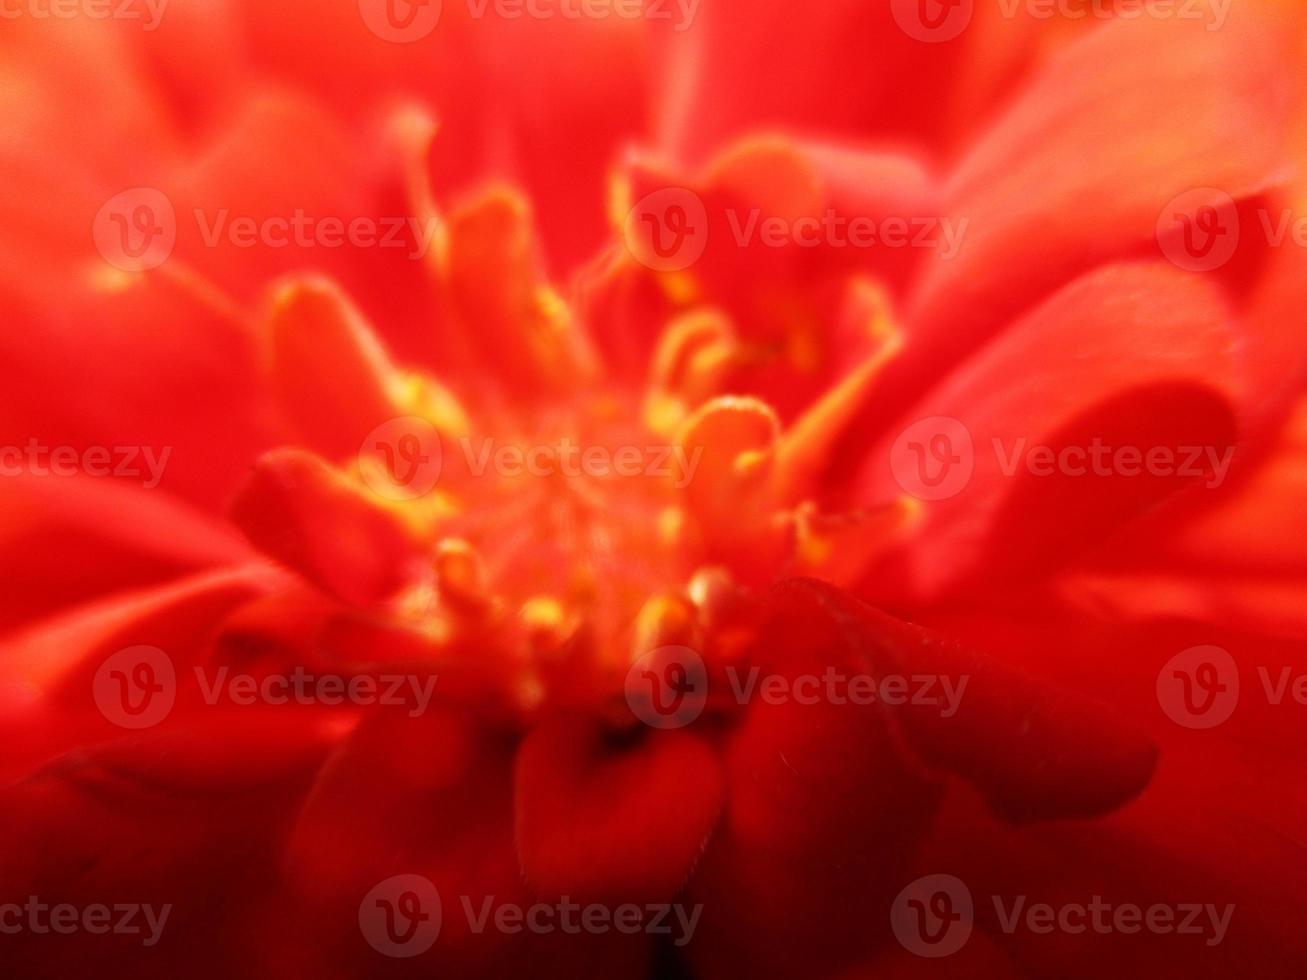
x=651, y=489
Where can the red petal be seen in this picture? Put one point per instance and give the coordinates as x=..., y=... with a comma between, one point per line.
x=1079, y=171
x=314, y=519
x=1034, y=751
x=1133, y=356
x=191, y=818
x=611, y=817
x=331, y=375
x=59, y=532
